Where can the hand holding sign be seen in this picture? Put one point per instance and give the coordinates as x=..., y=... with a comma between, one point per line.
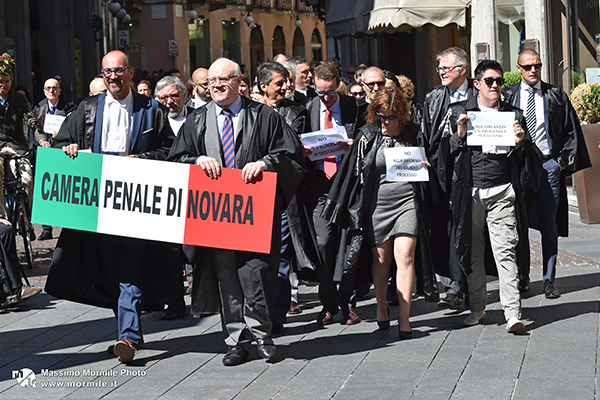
x=489, y=128
x=325, y=143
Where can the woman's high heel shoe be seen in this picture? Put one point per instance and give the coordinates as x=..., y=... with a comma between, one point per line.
x=385, y=325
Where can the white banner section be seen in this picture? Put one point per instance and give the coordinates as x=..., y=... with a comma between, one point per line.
x=491, y=129
x=406, y=164
x=325, y=143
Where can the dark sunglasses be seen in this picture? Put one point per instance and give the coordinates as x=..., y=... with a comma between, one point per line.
x=490, y=81
x=357, y=94
x=389, y=118
x=529, y=66
x=371, y=85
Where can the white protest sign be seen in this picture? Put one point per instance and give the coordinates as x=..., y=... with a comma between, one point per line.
x=53, y=122
x=325, y=143
x=490, y=129
x=406, y=164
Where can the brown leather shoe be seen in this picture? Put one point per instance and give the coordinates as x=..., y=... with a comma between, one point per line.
x=125, y=350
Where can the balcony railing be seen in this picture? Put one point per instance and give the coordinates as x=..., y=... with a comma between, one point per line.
x=284, y=4
x=239, y=2
x=261, y=3
x=300, y=6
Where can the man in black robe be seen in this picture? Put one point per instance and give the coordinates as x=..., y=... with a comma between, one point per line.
x=556, y=132
x=245, y=282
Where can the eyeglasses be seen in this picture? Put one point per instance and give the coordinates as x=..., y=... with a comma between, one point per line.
x=388, y=118
x=330, y=93
x=490, y=81
x=357, y=94
x=529, y=66
x=107, y=72
x=447, y=69
x=50, y=88
x=174, y=96
x=371, y=85
x=222, y=80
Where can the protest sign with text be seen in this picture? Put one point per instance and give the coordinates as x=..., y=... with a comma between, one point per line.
x=326, y=143
x=406, y=164
x=491, y=128
x=154, y=200
x=52, y=123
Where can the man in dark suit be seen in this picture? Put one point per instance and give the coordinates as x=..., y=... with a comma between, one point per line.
x=329, y=110
x=52, y=104
x=453, y=68
x=234, y=132
x=555, y=130
x=119, y=122
x=303, y=77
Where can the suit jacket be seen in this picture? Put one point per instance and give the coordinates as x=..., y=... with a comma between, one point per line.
x=63, y=108
x=151, y=134
x=568, y=143
x=260, y=135
x=85, y=265
x=18, y=111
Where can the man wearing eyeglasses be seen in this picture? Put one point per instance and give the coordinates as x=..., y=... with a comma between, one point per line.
x=233, y=131
x=329, y=109
x=201, y=93
x=52, y=104
x=119, y=122
x=555, y=130
x=453, y=66
x=170, y=91
x=486, y=194
x=373, y=80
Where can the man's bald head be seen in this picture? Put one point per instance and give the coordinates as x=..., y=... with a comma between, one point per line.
x=201, y=84
x=117, y=73
x=97, y=86
x=52, y=90
x=527, y=52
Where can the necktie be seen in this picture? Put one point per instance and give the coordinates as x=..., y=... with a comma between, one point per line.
x=52, y=109
x=227, y=140
x=455, y=96
x=330, y=163
x=530, y=113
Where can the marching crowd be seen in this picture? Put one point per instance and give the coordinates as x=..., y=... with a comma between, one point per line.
x=337, y=220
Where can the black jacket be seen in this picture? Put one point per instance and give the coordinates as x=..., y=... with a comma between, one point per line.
x=568, y=143
x=354, y=186
x=16, y=112
x=526, y=164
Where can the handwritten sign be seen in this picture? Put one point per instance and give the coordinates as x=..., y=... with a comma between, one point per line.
x=325, y=143
x=52, y=123
x=490, y=129
x=154, y=200
x=406, y=164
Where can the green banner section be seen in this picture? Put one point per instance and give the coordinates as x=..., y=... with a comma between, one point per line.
x=67, y=191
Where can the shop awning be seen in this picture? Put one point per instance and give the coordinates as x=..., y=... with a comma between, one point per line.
x=509, y=11
x=348, y=17
x=400, y=14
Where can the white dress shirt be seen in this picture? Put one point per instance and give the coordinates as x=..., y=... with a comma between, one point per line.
x=542, y=140
x=117, y=121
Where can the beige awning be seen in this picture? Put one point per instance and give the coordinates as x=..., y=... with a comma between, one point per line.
x=401, y=14
x=348, y=17
x=509, y=11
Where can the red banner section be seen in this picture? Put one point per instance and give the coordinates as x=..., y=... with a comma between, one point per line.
x=227, y=213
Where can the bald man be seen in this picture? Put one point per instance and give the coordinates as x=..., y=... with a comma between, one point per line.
x=201, y=93
x=244, y=282
x=120, y=123
x=97, y=86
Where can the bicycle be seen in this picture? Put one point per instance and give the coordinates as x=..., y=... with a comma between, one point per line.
x=16, y=203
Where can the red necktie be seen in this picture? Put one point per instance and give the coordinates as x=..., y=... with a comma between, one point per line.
x=329, y=164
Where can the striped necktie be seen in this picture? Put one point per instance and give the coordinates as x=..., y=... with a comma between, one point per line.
x=227, y=139
x=530, y=120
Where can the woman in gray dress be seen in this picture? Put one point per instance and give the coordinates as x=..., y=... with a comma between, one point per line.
x=391, y=221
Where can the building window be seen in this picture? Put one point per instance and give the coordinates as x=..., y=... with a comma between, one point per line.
x=316, y=46
x=299, y=48
x=199, y=33
x=257, y=48
x=231, y=40
x=278, y=41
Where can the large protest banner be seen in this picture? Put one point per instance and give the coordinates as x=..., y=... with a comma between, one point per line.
x=155, y=200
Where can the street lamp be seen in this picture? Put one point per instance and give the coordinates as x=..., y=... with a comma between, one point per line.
x=114, y=7
x=121, y=14
x=297, y=22
x=192, y=14
x=248, y=19
x=126, y=19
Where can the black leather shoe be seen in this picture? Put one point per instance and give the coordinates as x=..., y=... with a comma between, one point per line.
x=236, y=355
x=45, y=235
x=266, y=350
x=550, y=290
x=383, y=325
x=523, y=286
x=404, y=335
x=451, y=301
x=170, y=315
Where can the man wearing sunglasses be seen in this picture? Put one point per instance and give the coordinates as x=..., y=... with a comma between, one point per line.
x=453, y=66
x=329, y=110
x=201, y=93
x=119, y=122
x=555, y=129
x=373, y=80
x=486, y=193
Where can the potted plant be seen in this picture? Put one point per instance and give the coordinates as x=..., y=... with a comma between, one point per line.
x=586, y=102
